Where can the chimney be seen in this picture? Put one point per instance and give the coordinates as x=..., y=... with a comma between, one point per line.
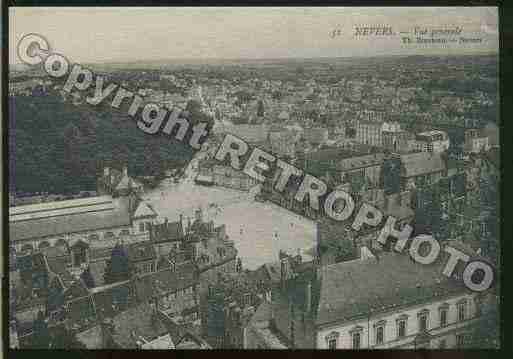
x=106, y=171
x=199, y=215
x=284, y=271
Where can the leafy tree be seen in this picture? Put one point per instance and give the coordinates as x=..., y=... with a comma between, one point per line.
x=64, y=146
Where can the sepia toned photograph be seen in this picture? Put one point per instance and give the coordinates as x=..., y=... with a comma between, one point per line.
x=253, y=178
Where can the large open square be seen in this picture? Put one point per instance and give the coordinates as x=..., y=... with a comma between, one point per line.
x=259, y=230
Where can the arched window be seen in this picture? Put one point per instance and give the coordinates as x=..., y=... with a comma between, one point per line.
x=108, y=235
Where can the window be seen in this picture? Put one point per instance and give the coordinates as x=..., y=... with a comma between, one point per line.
x=423, y=320
x=148, y=225
x=332, y=343
x=460, y=340
x=356, y=339
x=478, y=305
x=462, y=310
x=442, y=344
x=443, y=316
x=401, y=328
x=141, y=227
x=380, y=330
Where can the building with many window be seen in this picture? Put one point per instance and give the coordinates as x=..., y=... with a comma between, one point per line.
x=476, y=141
x=392, y=302
x=432, y=141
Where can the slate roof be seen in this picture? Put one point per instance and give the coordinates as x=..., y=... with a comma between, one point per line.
x=165, y=281
x=59, y=267
x=134, y=322
x=191, y=341
x=213, y=248
x=263, y=313
x=144, y=210
x=141, y=251
x=77, y=289
x=105, y=297
x=91, y=338
x=348, y=164
x=80, y=311
x=97, y=270
x=55, y=251
x=354, y=289
x=164, y=342
x=167, y=231
x=91, y=217
x=250, y=133
x=493, y=155
x=273, y=271
x=421, y=163
x=393, y=208
x=271, y=339
x=127, y=182
x=315, y=135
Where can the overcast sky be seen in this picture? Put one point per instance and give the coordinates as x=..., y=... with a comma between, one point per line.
x=127, y=34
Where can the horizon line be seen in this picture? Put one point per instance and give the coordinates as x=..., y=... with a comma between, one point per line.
x=207, y=59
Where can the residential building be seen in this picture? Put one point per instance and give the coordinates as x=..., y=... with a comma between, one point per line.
x=174, y=291
x=421, y=168
x=475, y=141
x=392, y=302
x=363, y=168
x=260, y=332
x=432, y=141
x=142, y=257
